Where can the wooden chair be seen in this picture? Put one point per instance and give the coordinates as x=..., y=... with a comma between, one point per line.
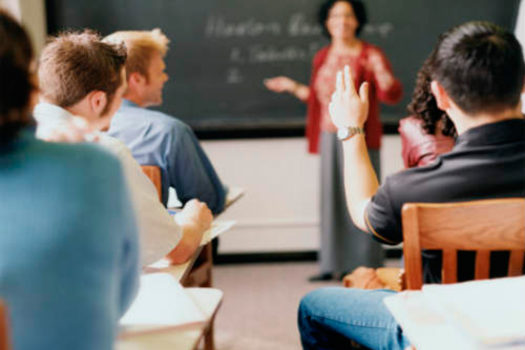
x=480, y=226
x=200, y=274
x=154, y=174
x=4, y=327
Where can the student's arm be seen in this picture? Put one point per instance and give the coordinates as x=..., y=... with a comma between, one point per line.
x=371, y=207
x=124, y=224
x=162, y=235
x=349, y=109
x=158, y=231
x=195, y=218
x=191, y=172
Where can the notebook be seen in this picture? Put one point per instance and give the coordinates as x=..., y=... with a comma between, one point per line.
x=487, y=314
x=161, y=304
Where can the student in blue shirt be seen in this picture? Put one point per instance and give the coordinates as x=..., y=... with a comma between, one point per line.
x=68, y=242
x=156, y=138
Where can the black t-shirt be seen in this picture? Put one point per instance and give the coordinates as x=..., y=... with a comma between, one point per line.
x=487, y=162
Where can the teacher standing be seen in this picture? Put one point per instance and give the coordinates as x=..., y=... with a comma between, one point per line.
x=343, y=248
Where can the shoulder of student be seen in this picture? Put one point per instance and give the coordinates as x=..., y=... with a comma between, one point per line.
x=115, y=146
x=163, y=121
x=75, y=153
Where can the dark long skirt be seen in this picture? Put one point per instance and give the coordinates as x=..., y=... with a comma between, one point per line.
x=343, y=246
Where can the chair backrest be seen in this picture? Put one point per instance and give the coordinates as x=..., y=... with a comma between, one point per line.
x=4, y=327
x=481, y=226
x=154, y=174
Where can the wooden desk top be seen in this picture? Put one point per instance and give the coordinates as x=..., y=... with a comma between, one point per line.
x=207, y=300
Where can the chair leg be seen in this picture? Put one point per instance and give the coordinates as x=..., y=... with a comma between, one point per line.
x=209, y=343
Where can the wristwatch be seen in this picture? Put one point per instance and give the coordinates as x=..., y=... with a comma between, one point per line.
x=346, y=133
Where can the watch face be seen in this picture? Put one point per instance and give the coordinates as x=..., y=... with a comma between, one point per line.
x=342, y=133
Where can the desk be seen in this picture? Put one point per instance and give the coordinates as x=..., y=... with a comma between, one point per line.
x=207, y=299
x=183, y=271
x=197, y=272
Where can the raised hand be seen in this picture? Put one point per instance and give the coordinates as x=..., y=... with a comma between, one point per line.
x=347, y=108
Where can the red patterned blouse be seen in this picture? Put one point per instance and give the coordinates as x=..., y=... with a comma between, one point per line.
x=322, y=85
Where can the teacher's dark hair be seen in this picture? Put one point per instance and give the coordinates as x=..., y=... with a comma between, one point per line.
x=480, y=66
x=16, y=55
x=357, y=6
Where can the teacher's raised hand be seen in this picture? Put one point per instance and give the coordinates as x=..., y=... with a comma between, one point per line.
x=281, y=84
x=284, y=84
x=348, y=108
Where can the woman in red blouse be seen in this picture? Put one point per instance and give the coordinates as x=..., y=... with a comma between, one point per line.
x=342, y=246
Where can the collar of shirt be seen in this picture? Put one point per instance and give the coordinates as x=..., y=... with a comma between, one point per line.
x=128, y=103
x=46, y=112
x=50, y=117
x=506, y=131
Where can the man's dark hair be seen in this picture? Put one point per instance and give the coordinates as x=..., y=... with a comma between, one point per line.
x=76, y=63
x=357, y=6
x=16, y=55
x=480, y=66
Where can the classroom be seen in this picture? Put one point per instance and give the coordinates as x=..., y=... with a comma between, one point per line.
x=247, y=174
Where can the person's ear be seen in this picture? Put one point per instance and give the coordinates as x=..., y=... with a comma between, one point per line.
x=98, y=101
x=442, y=98
x=136, y=79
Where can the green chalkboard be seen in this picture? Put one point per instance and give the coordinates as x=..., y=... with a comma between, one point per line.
x=221, y=50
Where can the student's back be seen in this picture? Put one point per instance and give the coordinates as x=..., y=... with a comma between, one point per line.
x=68, y=245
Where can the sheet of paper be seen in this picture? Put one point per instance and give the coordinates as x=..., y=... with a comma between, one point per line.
x=161, y=304
x=234, y=194
x=217, y=228
x=474, y=315
x=491, y=311
x=423, y=326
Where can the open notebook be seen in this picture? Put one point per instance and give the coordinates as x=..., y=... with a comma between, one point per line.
x=161, y=304
x=233, y=195
x=487, y=314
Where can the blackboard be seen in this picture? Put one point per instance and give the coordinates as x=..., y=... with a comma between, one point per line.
x=221, y=50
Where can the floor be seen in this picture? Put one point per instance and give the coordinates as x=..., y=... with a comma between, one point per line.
x=260, y=304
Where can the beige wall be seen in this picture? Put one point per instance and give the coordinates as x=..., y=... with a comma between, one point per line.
x=280, y=211
x=32, y=14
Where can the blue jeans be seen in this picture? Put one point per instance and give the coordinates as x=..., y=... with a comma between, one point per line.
x=335, y=318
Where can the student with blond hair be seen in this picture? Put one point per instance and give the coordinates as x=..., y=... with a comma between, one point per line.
x=156, y=138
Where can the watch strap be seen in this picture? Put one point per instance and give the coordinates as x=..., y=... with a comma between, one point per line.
x=349, y=132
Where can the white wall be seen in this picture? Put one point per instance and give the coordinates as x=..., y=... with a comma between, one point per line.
x=280, y=211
